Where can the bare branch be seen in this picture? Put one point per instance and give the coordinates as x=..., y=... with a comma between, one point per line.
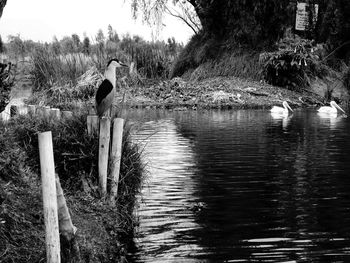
x=181, y=18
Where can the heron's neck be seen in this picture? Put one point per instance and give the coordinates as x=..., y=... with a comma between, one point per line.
x=110, y=75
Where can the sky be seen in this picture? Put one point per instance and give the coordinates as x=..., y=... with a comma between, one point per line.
x=40, y=20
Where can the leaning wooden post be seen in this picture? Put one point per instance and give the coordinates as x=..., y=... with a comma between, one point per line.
x=66, y=227
x=116, y=155
x=47, y=168
x=105, y=126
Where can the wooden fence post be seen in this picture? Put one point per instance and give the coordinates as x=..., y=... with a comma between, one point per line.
x=23, y=110
x=47, y=168
x=92, y=110
x=39, y=111
x=47, y=111
x=116, y=155
x=105, y=130
x=67, y=114
x=13, y=110
x=55, y=114
x=66, y=227
x=32, y=110
x=92, y=122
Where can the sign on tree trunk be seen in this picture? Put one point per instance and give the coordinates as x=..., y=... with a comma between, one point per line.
x=302, y=16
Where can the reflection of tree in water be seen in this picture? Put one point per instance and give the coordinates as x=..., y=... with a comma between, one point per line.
x=261, y=180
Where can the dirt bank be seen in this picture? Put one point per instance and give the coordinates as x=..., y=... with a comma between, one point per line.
x=219, y=92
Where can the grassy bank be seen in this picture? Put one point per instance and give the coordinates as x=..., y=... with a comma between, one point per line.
x=102, y=229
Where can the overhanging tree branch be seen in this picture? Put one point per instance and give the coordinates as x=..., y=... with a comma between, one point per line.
x=178, y=15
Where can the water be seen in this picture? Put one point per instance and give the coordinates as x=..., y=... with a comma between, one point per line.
x=244, y=186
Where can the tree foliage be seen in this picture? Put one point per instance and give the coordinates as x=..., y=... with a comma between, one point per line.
x=255, y=22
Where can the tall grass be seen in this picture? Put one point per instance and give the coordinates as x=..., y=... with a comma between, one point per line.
x=242, y=65
x=153, y=60
x=49, y=69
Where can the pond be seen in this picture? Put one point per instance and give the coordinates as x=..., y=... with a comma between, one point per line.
x=243, y=186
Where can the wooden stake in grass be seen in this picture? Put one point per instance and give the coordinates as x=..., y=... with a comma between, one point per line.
x=40, y=111
x=92, y=122
x=103, y=150
x=67, y=114
x=23, y=110
x=47, y=112
x=13, y=110
x=66, y=227
x=47, y=168
x=116, y=155
x=55, y=114
x=32, y=110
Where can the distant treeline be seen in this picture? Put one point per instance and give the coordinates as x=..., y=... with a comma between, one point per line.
x=152, y=59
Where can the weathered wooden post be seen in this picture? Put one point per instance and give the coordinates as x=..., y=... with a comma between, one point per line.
x=66, y=227
x=5, y=115
x=92, y=122
x=40, y=111
x=55, y=114
x=23, y=110
x=116, y=155
x=67, y=114
x=32, y=110
x=47, y=112
x=47, y=168
x=103, y=151
x=13, y=110
x=92, y=110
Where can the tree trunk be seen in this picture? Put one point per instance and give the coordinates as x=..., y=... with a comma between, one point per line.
x=249, y=22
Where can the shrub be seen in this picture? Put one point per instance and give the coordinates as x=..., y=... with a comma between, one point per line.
x=293, y=64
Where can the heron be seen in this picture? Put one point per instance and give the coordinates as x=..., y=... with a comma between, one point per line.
x=332, y=109
x=282, y=110
x=107, y=89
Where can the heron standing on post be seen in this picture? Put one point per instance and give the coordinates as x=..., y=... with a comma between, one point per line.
x=107, y=89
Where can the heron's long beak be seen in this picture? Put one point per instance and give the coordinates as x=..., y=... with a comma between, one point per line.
x=289, y=108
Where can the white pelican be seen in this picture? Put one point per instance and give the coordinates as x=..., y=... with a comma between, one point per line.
x=333, y=109
x=280, y=110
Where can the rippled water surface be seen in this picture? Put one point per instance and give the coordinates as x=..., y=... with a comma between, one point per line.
x=243, y=186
